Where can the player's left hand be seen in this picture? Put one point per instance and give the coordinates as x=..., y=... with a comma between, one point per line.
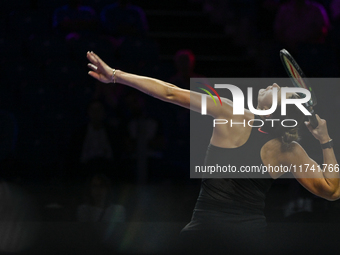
x=100, y=70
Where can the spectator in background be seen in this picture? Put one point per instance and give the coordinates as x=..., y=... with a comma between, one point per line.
x=8, y=140
x=17, y=210
x=74, y=18
x=185, y=64
x=96, y=142
x=179, y=145
x=99, y=202
x=110, y=96
x=124, y=19
x=299, y=22
x=144, y=143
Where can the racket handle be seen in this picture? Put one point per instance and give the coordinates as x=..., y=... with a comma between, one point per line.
x=313, y=121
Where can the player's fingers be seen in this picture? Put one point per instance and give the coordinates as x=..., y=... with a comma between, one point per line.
x=98, y=59
x=92, y=58
x=308, y=125
x=94, y=75
x=321, y=122
x=94, y=54
x=92, y=66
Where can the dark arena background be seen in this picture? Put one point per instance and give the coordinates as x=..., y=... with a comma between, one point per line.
x=130, y=193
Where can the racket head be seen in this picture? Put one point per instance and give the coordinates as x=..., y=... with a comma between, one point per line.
x=297, y=75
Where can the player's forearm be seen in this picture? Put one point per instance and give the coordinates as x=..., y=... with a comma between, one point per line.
x=154, y=87
x=331, y=169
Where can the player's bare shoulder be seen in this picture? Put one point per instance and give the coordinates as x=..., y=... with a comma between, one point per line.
x=226, y=110
x=285, y=155
x=275, y=153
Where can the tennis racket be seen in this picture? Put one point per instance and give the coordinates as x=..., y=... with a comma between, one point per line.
x=299, y=80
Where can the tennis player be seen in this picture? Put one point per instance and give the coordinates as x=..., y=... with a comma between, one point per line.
x=229, y=213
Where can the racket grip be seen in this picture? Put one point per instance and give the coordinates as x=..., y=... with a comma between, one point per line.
x=313, y=121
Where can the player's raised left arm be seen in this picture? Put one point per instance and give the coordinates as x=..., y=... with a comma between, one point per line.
x=324, y=180
x=159, y=89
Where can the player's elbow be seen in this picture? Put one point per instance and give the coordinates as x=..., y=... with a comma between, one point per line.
x=330, y=193
x=334, y=196
x=177, y=96
x=328, y=188
x=170, y=94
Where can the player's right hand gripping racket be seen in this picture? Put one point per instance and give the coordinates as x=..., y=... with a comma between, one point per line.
x=299, y=80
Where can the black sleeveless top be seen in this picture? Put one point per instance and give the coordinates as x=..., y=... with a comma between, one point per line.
x=248, y=193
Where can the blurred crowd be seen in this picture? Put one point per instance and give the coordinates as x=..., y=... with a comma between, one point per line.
x=66, y=120
x=309, y=29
